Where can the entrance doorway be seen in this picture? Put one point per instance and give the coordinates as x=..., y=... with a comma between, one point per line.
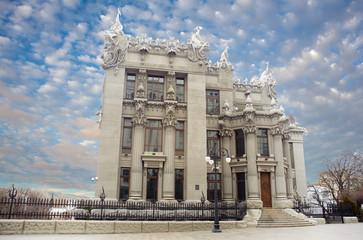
x=266, y=189
x=152, y=184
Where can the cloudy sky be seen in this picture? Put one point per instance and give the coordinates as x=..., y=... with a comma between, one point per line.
x=51, y=77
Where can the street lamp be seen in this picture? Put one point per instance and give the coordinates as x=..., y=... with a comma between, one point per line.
x=212, y=160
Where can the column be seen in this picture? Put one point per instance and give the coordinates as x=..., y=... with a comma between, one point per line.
x=139, y=120
x=286, y=150
x=169, y=123
x=280, y=173
x=253, y=200
x=281, y=200
x=226, y=169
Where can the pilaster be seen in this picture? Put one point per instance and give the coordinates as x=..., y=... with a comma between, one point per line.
x=289, y=185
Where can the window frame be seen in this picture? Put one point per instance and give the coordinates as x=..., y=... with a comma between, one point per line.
x=182, y=183
x=260, y=142
x=219, y=183
x=212, y=140
x=128, y=88
x=128, y=181
x=215, y=104
x=159, y=136
x=238, y=140
x=123, y=133
x=181, y=86
x=155, y=86
x=180, y=131
x=241, y=181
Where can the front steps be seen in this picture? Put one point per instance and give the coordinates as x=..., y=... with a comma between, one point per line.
x=279, y=218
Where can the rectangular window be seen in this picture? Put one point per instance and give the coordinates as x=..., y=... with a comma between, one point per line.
x=153, y=136
x=152, y=184
x=240, y=143
x=179, y=136
x=210, y=182
x=180, y=89
x=125, y=183
x=127, y=134
x=213, y=142
x=130, y=86
x=179, y=184
x=262, y=142
x=241, y=187
x=155, y=88
x=212, y=102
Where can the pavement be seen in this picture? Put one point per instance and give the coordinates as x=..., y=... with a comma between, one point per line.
x=328, y=231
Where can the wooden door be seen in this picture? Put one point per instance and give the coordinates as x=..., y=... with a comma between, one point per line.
x=266, y=189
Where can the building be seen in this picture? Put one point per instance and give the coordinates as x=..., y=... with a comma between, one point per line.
x=164, y=104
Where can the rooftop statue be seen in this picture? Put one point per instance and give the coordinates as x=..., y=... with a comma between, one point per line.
x=115, y=49
x=224, y=56
x=197, y=48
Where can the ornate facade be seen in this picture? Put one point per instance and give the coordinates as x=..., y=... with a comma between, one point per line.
x=164, y=104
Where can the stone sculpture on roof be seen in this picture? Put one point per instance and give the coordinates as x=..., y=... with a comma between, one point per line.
x=116, y=45
x=197, y=48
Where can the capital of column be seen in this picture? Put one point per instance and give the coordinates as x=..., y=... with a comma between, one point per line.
x=226, y=132
x=249, y=128
x=286, y=135
x=277, y=130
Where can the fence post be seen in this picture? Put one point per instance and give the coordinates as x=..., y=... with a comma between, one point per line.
x=12, y=195
x=341, y=212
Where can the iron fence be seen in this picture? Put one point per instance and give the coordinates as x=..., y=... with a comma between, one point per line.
x=117, y=210
x=331, y=212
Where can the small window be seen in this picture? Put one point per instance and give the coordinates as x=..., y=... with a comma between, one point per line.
x=212, y=102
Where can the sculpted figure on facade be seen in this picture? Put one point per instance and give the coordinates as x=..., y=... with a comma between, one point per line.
x=170, y=119
x=139, y=117
x=226, y=109
x=116, y=46
x=197, y=48
x=140, y=91
x=270, y=83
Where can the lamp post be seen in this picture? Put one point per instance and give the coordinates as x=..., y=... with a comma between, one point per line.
x=12, y=196
x=213, y=153
x=102, y=197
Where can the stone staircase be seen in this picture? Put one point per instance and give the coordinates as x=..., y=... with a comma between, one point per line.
x=279, y=218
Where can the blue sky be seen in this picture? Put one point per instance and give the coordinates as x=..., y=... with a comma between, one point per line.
x=51, y=76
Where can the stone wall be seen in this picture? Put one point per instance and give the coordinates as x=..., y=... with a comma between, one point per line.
x=107, y=227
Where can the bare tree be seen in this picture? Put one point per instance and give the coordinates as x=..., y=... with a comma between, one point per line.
x=343, y=174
